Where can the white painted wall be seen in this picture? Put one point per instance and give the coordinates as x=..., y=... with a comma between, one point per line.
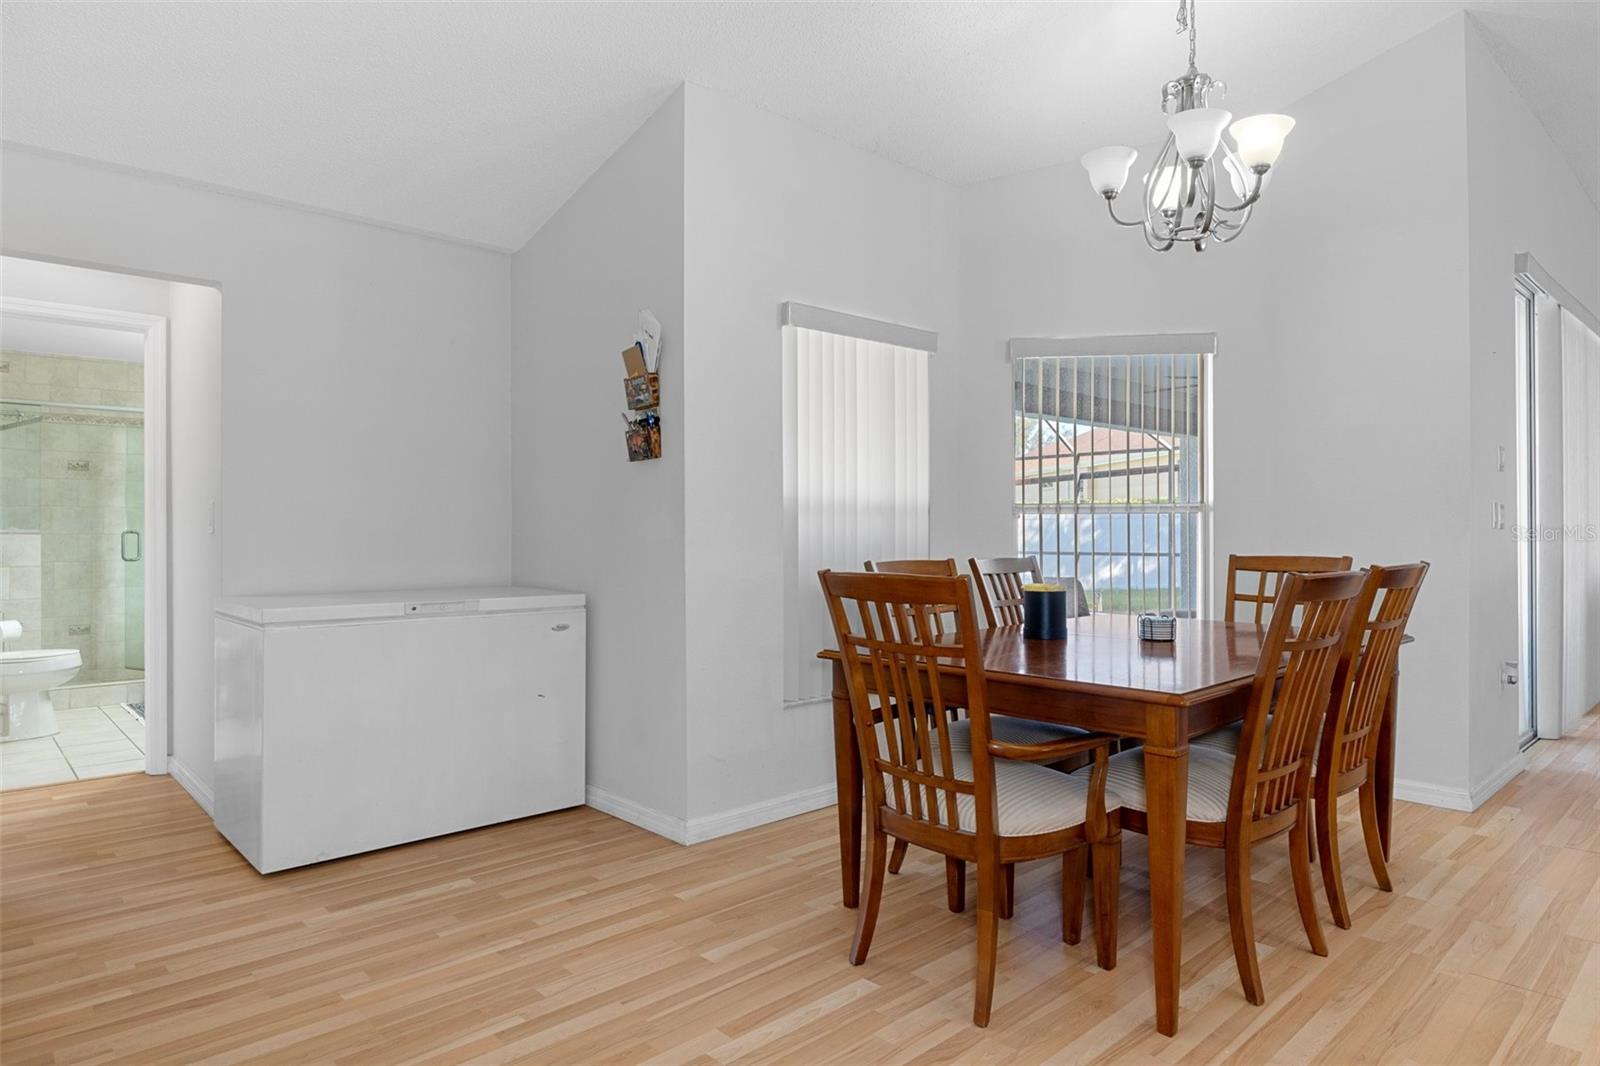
x=584, y=516
x=1366, y=287
x=1522, y=196
x=1340, y=390
x=365, y=419
x=774, y=212
x=363, y=412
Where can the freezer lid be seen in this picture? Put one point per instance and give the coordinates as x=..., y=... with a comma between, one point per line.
x=393, y=603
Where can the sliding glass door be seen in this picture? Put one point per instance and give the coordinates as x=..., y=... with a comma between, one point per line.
x=1527, y=541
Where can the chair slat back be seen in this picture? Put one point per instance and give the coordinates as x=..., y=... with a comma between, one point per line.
x=1366, y=667
x=1000, y=584
x=884, y=627
x=943, y=619
x=1262, y=576
x=1311, y=618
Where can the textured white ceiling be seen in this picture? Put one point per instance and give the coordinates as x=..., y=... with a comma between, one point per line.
x=476, y=121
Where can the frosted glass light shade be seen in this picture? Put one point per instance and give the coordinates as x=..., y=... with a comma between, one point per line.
x=1168, y=186
x=1197, y=131
x=1242, y=180
x=1108, y=167
x=1260, y=138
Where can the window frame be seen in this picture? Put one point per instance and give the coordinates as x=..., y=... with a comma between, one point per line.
x=1130, y=346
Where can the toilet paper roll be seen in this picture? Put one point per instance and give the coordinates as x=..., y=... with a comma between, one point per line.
x=10, y=629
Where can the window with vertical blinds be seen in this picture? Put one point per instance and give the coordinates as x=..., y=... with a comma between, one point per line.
x=855, y=474
x=1109, y=466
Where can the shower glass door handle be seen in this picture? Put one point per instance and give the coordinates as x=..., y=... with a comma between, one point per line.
x=134, y=554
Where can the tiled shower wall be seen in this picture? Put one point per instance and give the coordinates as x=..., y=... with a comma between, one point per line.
x=78, y=487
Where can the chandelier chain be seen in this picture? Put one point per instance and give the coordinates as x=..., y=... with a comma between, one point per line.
x=1186, y=22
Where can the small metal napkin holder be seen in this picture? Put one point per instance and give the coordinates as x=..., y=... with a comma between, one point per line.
x=1158, y=625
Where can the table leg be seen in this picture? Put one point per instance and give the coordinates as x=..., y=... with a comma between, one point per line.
x=1166, y=774
x=1383, y=763
x=847, y=778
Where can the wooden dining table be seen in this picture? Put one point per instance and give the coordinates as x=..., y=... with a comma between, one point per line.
x=1103, y=677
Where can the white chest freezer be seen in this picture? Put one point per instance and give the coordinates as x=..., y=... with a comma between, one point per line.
x=351, y=722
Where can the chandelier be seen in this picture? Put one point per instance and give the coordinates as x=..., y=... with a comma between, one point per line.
x=1180, y=191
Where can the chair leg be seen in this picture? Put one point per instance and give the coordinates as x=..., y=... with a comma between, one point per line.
x=1008, y=890
x=1107, y=899
x=1369, y=831
x=1300, y=866
x=1241, y=920
x=897, y=857
x=867, y=917
x=1072, y=864
x=989, y=879
x=955, y=884
x=1327, y=836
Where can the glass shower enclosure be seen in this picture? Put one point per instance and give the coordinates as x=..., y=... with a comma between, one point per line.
x=72, y=532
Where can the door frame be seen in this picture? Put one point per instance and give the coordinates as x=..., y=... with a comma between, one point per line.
x=157, y=472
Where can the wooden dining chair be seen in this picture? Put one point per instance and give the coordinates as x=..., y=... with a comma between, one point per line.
x=977, y=805
x=1236, y=801
x=1268, y=572
x=1020, y=733
x=1350, y=731
x=1000, y=583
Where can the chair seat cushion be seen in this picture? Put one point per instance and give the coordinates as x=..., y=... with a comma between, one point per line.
x=1210, y=779
x=1224, y=739
x=1032, y=799
x=1013, y=731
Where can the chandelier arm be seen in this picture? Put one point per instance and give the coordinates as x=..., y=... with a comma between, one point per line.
x=1227, y=231
x=1159, y=246
x=1111, y=209
x=1248, y=201
x=1157, y=169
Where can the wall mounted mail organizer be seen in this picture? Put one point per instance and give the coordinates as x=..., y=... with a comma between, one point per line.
x=641, y=387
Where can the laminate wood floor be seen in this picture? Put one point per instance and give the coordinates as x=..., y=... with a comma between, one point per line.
x=130, y=931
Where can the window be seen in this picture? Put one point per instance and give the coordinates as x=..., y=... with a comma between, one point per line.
x=855, y=465
x=1109, y=466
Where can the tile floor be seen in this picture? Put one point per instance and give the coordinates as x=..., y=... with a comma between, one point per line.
x=93, y=742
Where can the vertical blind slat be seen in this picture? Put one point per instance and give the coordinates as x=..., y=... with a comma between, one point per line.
x=857, y=483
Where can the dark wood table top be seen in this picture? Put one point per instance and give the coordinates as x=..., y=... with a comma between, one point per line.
x=1104, y=656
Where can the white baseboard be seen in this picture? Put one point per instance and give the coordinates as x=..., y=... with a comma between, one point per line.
x=197, y=789
x=1460, y=799
x=1431, y=795
x=711, y=826
x=773, y=810
x=660, y=823
x=1483, y=790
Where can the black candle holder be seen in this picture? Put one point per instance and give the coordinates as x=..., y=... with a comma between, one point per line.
x=1044, y=612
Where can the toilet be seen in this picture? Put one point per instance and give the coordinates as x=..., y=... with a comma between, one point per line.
x=26, y=678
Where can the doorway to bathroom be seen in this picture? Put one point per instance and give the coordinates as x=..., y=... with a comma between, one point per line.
x=82, y=525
